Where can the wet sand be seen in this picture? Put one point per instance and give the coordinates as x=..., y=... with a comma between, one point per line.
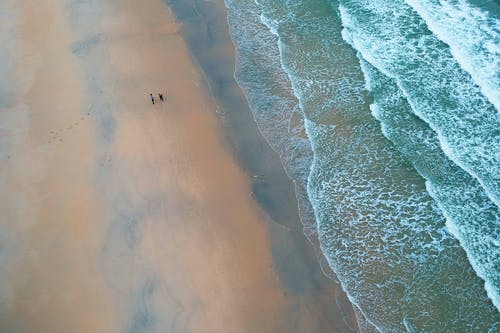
x=205, y=29
x=121, y=216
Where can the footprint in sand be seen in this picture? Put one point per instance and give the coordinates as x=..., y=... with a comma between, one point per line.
x=54, y=134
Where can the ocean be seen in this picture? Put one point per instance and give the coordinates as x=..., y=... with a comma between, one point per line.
x=386, y=116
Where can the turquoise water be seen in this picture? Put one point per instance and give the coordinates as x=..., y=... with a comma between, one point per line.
x=398, y=167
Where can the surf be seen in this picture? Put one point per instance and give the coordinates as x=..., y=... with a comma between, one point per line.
x=381, y=231
x=472, y=31
x=393, y=38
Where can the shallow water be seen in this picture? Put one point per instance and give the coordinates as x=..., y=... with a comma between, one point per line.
x=403, y=178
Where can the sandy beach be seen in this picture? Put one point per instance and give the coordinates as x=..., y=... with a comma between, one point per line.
x=117, y=215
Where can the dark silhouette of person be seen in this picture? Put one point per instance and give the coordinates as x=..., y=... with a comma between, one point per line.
x=152, y=98
x=161, y=97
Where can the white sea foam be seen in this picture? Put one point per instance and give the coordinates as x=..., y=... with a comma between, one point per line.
x=393, y=38
x=471, y=217
x=380, y=230
x=473, y=34
x=365, y=199
x=271, y=99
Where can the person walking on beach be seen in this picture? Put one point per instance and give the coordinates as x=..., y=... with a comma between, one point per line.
x=161, y=97
x=152, y=98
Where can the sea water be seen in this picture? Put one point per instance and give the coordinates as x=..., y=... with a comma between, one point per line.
x=385, y=114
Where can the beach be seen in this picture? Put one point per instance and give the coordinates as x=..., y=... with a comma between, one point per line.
x=119, y=215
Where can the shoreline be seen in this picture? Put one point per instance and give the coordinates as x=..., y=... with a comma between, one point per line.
x=276, y=193
x=122, y=216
